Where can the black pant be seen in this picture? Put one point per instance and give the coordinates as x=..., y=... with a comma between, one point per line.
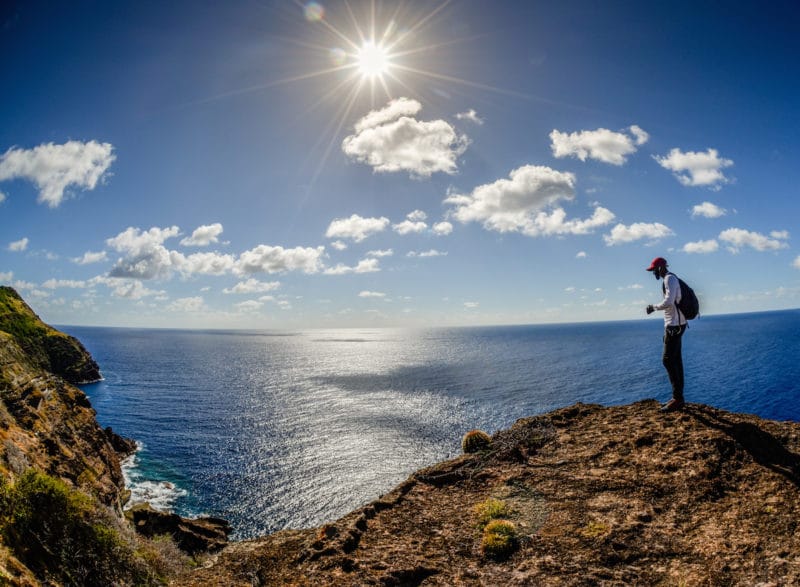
x=673, y=362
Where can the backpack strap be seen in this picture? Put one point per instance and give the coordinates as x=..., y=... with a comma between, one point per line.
x=675, y=303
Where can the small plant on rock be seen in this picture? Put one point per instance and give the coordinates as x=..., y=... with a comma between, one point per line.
x=491, y=509
x=475, y=441
x=499, y=539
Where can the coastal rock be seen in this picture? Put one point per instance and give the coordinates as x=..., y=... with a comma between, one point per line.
x=598, y=495
x=48, y=348
x=193, y=535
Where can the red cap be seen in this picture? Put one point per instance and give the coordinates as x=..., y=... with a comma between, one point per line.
x=657, y=262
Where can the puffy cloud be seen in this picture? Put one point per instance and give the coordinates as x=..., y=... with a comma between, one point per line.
x=203, y=263
x=636, y=231
x=131, y=289
x=371, y=294
x=18, y=246
x=90, y=257
x=737, y=238
x=191, y=304
x=145, y=256
x=249, y=306
x=252, y=285
x=708, y=210
x=795, y=264
x=364, y=266
x=53, y=168
x=380, y=253
x=2, y=197
x=601, y=144
x=581, y=255
x=430, y=253
x=408, y=226
x=416, y=215
x=709, y=246
x=269, y=259
x=8, y=276
x=514, y=204
x=356, y=227
x=470, y=115
x=391, y=140
x=204, y=235
x=442, y=228
x=471, y=305
x=339, y=245
x=59, y=283
x=780, y=234
x=696, y=168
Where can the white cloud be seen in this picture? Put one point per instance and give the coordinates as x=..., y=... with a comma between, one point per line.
x=737, y=238
x=249, y=306
x=424, y=254
x=90, y=257
x=19, y=246
x=380, y=253
x=269, y=259
x=516, y=204
x=407, y=227
x=696, y=168
x=191, y=304
x=204, y=235
x=637, y=231
x=416, y=215
x=252, y=285
x=601, y=144
x=780, y=234
x=470, y=115
x=53, y=168
x=391, y=140
x=356, y=227
x=8, y=276
x=145, y=256
x=442, y=228
x=131, y=289
x=59, y=283
x=2, y=197
x=632, y=286
x=471, y=304
x=371, y=294
x=364, y=266
x=339, y=245
x=702, y=247
x=795, y=264
x=708, y=210
x=203, y=263
x=581, y=255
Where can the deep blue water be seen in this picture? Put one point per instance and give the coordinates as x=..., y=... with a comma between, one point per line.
x=291, y=429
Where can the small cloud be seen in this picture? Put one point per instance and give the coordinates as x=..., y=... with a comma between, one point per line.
x=430, y=253
x=2, y=197
x=18, y=246
x=631, y=287
x=89, y=257
x=59, y=283
x=780, y=234
x=356, y=227
x=371, y=294
x=737, y=238
x=601, y=144
x=53, y=168
x=696, y=168
x=470, y=115
x=339, y=245
x=190, y=304
x=392, y=139
x=276, y=259
x=248, y=306
x=581, y=255
x=8, y=276
x=204, y=236
x=471, y=305
x=708, y=210
x=408, y=227
x=795, y=263
x=442, y=228
x=380, y=253
x=252, y=285
x=416, y=216
x=364, y=266
x=701, y=247
x=637, y=231
x=570, y=289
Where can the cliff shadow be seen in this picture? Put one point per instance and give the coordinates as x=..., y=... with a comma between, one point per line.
x=765, y=449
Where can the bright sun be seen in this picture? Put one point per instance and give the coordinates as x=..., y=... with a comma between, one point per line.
x=372, y=60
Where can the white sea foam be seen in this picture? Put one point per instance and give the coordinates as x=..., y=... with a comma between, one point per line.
x=160, y=494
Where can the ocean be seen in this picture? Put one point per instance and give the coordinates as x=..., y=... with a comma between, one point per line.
x=274, y=430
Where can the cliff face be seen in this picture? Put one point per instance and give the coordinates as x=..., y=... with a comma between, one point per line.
x=612, y=496
x=47, y=348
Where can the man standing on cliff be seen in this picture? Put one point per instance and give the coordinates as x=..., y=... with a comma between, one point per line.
x=674, y=326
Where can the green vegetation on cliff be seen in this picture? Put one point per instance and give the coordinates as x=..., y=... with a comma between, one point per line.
x=49, y=348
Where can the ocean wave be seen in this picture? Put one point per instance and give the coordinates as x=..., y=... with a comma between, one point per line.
x=160, y=494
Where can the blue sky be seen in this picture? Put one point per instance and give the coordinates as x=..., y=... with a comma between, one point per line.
x=257, y=164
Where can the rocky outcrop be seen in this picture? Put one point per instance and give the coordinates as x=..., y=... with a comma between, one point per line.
x=44, y=346
x=598, y=495
x=194, y=536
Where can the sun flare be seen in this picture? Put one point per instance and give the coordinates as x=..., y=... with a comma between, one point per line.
x=372, y=60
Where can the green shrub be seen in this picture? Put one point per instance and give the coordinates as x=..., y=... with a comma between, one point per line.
x=491, y=509
x=475, y=441
x=499, y=539
x=65, y=536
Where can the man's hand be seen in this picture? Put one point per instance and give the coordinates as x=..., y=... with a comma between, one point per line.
x=650, y=309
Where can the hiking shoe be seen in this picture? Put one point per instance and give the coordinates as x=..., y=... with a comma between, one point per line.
x=673, y=405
